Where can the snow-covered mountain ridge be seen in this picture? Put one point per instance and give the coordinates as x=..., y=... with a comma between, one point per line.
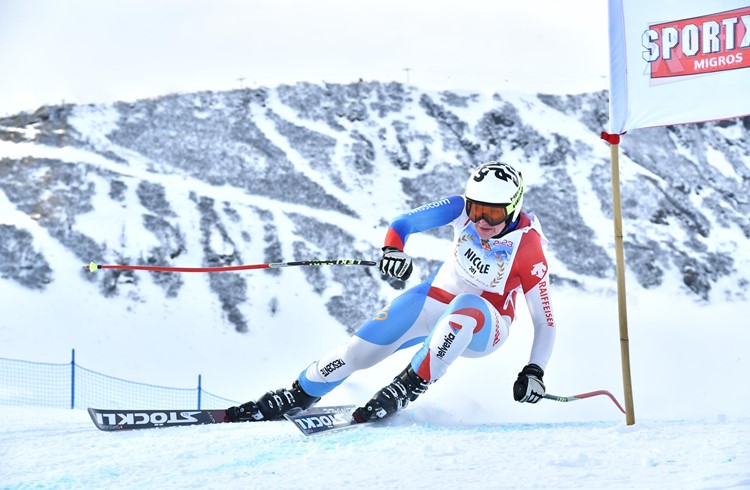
x=316, y=171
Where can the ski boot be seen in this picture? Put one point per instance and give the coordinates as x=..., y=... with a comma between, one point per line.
x=273, y=405
x=405, y=388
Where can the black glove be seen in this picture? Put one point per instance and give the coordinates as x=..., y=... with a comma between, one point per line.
x=529, y=387
x=395, y=263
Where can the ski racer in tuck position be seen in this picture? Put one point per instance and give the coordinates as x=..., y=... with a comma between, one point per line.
x=465, y=308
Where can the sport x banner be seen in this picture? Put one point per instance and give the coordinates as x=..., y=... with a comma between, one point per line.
x=678, y=61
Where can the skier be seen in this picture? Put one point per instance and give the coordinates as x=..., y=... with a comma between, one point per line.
x=465, y=308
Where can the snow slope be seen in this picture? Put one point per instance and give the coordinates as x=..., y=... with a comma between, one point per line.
x=59, y=449
x=691, y=430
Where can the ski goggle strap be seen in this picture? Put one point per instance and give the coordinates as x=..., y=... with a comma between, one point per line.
x=493, y=214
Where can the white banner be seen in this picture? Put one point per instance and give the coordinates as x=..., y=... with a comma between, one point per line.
x=677, y=61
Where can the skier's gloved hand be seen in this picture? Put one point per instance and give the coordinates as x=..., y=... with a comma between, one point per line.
x=529, y=387
x=395, y=263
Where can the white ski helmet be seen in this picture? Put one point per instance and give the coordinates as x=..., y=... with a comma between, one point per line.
x=496, y=184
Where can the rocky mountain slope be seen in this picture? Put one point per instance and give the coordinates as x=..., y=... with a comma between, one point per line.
x=316, y=171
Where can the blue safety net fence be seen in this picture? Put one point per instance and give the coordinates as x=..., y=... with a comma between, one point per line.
x=69, y=385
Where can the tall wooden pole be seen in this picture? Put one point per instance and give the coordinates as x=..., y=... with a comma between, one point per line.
x=621, y=302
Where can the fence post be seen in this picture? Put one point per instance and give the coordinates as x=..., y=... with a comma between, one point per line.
x=73, y=379
x=199, y=392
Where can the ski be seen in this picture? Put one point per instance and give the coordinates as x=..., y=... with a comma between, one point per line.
x=311, y=421
x=118, y=420
x=323, y=419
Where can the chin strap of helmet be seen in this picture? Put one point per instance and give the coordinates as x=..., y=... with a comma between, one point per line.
x=511, y=225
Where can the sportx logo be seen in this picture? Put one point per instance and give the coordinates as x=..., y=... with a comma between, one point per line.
x=711, y=43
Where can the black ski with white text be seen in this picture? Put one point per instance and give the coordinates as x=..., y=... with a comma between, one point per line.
x=324, y=419
x=311, y=421
x=118, y=420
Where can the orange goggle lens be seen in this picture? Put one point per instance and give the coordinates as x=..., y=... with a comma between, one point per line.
x=493, y=215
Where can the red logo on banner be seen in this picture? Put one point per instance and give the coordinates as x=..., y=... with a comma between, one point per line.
x=711, y=43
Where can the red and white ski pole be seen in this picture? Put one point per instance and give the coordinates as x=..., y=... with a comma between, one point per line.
x=93, y=266
x=583, y=396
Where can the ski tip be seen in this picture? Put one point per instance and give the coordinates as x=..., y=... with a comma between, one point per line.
x=98, y=422
x=92, y=267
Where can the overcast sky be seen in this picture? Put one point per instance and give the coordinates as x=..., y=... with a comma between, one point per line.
x=101, y=50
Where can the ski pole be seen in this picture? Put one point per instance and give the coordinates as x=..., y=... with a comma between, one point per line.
x=93, y=266
x=583, y=396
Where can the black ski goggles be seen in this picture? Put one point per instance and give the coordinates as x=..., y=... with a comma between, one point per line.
x=493, y=214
